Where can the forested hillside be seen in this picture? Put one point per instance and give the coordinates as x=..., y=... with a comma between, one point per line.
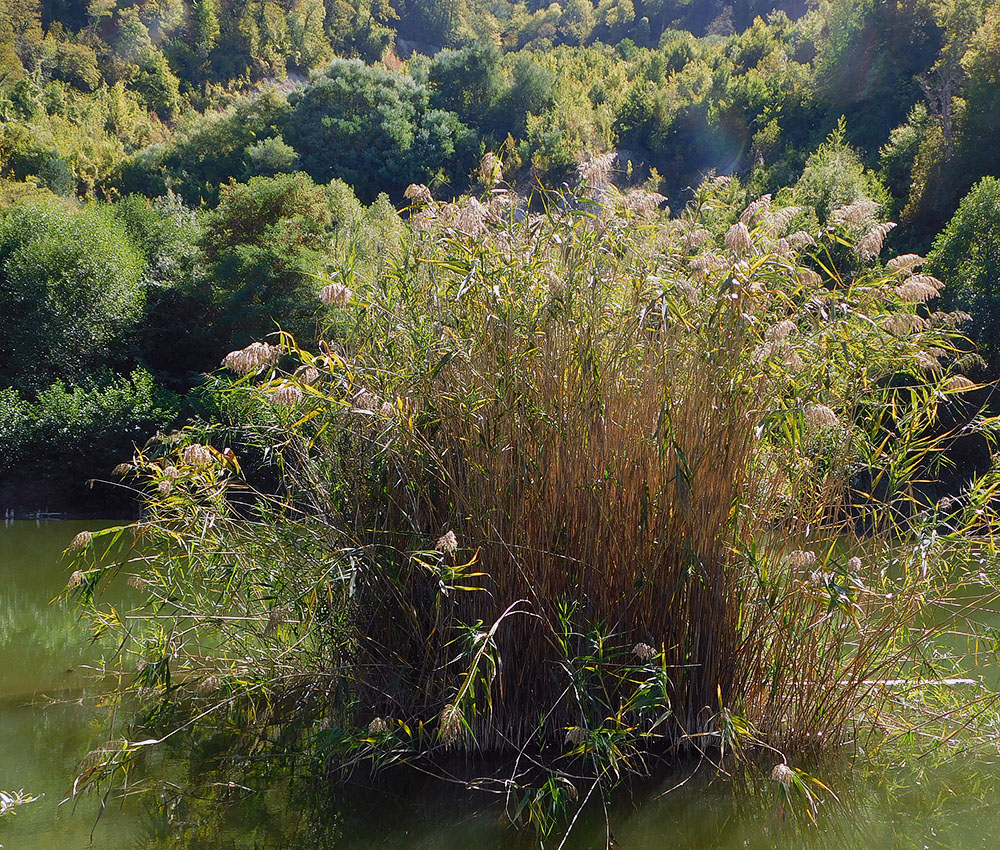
x=173, y=174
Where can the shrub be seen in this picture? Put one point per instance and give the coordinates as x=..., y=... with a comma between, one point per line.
x=966, y=255
x=71, y=290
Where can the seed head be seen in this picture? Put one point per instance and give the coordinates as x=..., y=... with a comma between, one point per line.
x=418, y=193
x=801, y=239
x=780, y=331
x=738, y=238
x=81, y=541
x=123, y=470
x=801, y=559
x=755, y=211
x=597, y=169
x=905, y=262
x=856, y=213
x=490, y=169
x=365, y=400
x=450, y=726
x=642, y=202
x=335, y=295
x=164, y=488
x=251, y=358
x=644, y=652
x=209, y=685
x=77, y=577
x=696, y=238
x=378, y=726
x=870, y=245
x=576, y=735
x=197, y=455
x=287, y=395
x=820, y=416
x=783, y=774
x=958, y=384
x=136, y=582
x=447, y=542
x=854, y=564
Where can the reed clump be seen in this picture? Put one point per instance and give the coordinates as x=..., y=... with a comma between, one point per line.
x=572, y=476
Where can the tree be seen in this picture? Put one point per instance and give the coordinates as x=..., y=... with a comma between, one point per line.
x=376, y=130
x=262, y=242
x=966, y=256
x=70, y=291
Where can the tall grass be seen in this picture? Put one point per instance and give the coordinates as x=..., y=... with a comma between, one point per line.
x=569, y=478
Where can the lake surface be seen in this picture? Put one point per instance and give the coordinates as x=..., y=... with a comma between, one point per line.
x=48, y=723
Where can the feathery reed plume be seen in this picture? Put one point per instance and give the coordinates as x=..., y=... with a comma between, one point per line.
x=958, y=384
x=801, y=559
x=776, y=221
x=903, y=324
x=642, y=202
x=820, y=416
x=335, y=295
x=855, y=213
x=366, y=400
x=287, y=395
x=738, y=238
x=781, y=330
x=755, y=211
x=447, y=542
x=696, y=238
x=800, y=239
x=644, y=652
x=490, y=169
x=252, y=358
x=905, y=263
x=378, y=726
x=307, y=374
x=80, y=541
x=919, y=288
x=450, y=725
x=122, y=470
x=870, y=245
x=164, y=488
x=596, y=171
x=783, y=775
x=418, y=193
x=76, y=579
x=471, y=217
x=197, y=455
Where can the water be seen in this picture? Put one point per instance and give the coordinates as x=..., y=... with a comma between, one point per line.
x=48, y=723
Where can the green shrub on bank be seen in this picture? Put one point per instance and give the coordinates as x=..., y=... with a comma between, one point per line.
x=72, y=433
x=70, y=289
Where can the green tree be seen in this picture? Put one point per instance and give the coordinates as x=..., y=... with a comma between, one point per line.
x=70, y=292
x=966, y=256
x=262, y=242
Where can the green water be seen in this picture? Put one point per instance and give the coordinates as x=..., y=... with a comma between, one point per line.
x=48, y=723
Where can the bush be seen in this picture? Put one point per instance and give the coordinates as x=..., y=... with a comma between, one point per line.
x=966, y=255
x=71, y=290
x=68, y=434
x=375, y=130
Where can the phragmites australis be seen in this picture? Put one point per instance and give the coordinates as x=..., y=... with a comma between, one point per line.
x=783, y=775
x=366, y=400
x=752, y=214
x=418, y=193
x=855, y=213
x=164, y=488
x=77, y=577
x=738, y=238
x=471, y=218
x=597, y=170
x=870, y=245
x=903, y=324
x=958, y=384
x=252, y=358
x=287, y=395
x=801, y=239
x=819, y=416
x=781, y=330
x=447, y=542
x=81, y=541
x=709, y=263
x=123, y=470
x=696, y=238
x=854, y=564
x=490, y=169
x=209, y=685
x=307, y=374
x=197, y=455
x=576, y=736
x=644, y=652
x=801, y=559
x=172, y=472
x=776, y=221
x=919, y=288
x=378, y=726
x=136, y=582
x=905, y=262
x=450, y=727
x=926, y=360
x=642, y=202
x=335, y=295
